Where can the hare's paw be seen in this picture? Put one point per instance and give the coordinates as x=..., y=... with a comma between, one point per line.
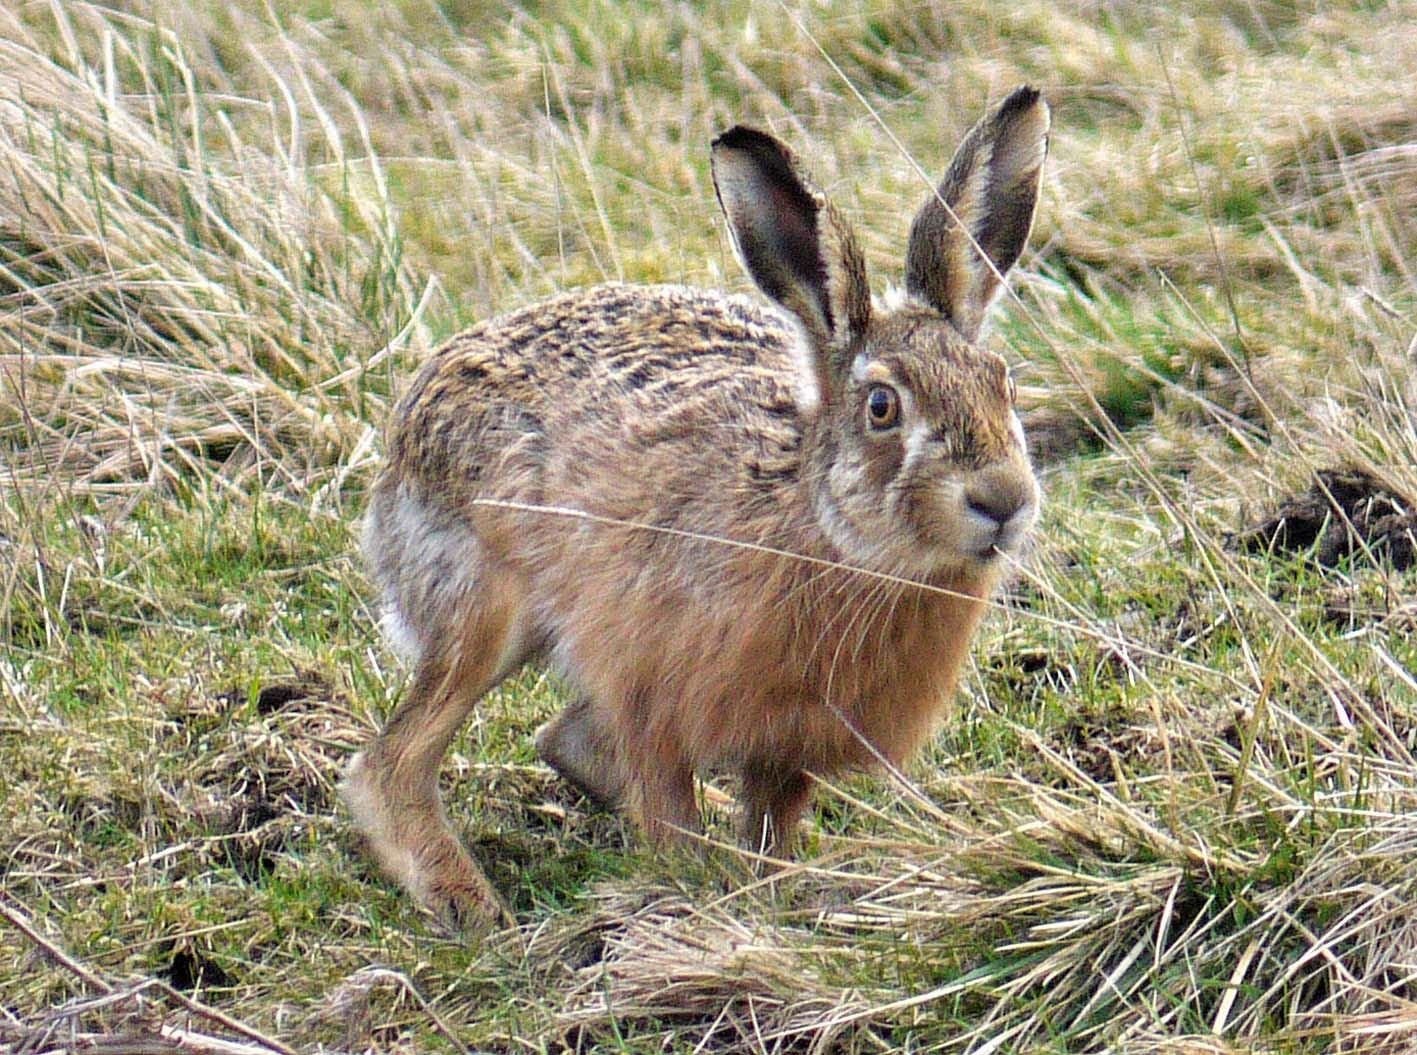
x=410, y=840
x=449, y=884
x=459, y=895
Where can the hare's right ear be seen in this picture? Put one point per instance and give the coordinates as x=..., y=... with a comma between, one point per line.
x=796, y=246
x=985, y=203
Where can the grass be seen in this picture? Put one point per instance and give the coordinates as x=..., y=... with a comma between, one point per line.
x=1174, y=808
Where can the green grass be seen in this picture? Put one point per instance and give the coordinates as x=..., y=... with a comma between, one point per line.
x=1173, y=810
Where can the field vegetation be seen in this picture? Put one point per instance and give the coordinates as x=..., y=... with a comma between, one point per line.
x=1175, y=809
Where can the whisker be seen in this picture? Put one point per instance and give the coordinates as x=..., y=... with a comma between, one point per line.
x=1105, y=636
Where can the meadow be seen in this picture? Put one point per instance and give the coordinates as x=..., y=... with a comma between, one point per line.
x=1175, y=806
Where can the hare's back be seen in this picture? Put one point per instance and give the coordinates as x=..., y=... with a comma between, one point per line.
x=633, y=365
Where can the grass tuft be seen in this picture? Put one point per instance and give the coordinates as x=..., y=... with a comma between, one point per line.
x=183, y=306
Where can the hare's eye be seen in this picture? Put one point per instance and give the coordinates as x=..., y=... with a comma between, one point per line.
x=883, y=407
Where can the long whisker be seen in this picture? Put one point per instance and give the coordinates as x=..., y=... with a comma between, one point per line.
x=1105, y=636
x=856, y=606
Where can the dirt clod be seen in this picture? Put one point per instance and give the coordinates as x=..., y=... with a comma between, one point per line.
x=1343, y=513
x=191, y=970
x=277, y=695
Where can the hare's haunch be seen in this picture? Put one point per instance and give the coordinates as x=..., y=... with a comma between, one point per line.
x=717, y=467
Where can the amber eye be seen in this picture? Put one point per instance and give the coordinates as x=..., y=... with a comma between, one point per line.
x=883, y=407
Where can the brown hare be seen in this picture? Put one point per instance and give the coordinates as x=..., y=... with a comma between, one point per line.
x=706, y=512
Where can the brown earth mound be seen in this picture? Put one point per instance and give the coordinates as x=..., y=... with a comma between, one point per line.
x=1342, y=513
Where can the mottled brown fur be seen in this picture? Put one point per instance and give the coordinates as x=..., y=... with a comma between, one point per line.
x=709, y=461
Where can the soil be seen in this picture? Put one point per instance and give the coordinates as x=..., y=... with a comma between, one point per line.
x=1344, y=513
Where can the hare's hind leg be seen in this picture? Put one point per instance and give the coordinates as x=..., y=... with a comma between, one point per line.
x=392, y=786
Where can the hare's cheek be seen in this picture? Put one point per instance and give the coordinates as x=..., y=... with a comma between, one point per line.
x=929, y=512
x=915, y=449
x=1016, y=430
x=883, y=460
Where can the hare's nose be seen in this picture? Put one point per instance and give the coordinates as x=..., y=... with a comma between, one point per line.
x=999, y=504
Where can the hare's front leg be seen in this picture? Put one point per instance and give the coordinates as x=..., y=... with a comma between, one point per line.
x=578, y=746
x=669, y=809
x=658, y=777
x=391, y=787
x=653, y=775
x=773, y=801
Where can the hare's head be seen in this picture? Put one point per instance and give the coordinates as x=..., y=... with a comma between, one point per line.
x=922, y=467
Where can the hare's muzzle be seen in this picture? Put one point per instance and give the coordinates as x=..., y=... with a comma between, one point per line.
x=1000, y=506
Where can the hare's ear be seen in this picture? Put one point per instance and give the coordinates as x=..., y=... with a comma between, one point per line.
x=796, y=246
x=985, y=203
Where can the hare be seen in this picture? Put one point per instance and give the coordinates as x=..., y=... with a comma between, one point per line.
x=708, y=513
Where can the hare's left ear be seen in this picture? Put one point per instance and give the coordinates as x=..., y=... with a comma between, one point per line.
x=991, y=189
x=796, y=246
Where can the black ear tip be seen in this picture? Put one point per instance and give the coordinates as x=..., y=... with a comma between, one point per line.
x=1024, y=110
x=743, y=146
x=741, y=137
x=1021, y=99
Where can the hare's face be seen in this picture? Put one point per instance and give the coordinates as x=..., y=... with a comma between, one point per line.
x=930, y=472
x=924, y=467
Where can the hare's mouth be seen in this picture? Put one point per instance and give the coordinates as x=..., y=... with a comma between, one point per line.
x=973, y=536
x=991, y=554
x=1008, y=538
x=996, y=529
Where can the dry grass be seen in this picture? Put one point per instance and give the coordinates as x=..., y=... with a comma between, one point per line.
x=1176, y=810
x=180, y=301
